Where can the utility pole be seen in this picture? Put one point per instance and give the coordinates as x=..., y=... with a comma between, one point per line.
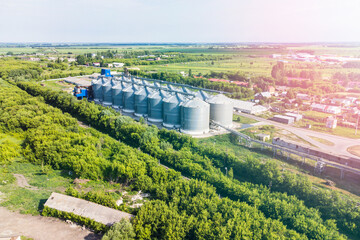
x=226, y=171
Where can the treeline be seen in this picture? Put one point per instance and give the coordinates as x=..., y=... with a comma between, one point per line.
x=181, y=209
x=234, y=90
x=345, y=78
x=23, y=70
x=10, y=68
x=233, y=76
x=182, y=153
x=351, y=65
x=280, y=72
x=177, y=58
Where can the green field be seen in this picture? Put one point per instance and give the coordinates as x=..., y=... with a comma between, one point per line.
x=248, y=66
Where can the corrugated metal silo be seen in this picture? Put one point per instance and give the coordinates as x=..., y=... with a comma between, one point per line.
x=186, y=90
x=155, y=106
x=97, y=90
x=117, y=97
x=171, y=111
x=202, y=95
x=129, y=98
x=195, y=114
x=141, y=102
x=221, y=109
x=107, y=95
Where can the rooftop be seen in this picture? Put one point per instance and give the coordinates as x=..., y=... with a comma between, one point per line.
x=80, y=207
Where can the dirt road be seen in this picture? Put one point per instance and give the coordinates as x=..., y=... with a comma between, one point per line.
x=22, y=182
x=40, y=228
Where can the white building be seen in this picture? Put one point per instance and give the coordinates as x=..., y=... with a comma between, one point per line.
x=303, y=96
x=325, y=108
x=249, y=107
x=118, y=65
x=331, y=122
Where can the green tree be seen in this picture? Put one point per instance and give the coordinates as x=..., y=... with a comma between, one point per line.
x=81, y=60
x=122, y=230
x=291, y=94
x=231, y=173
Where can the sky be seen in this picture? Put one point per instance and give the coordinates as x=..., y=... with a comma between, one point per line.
x=180, y=21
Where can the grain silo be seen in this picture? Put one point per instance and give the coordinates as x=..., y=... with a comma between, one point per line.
x=202, y=95
x=117, y=96
x=221, y=110
x=141, y=102
x=107, y=95
x=97, y=90
x=129, y=98
x=171, y=111
x=155, y=106
x=195, y=115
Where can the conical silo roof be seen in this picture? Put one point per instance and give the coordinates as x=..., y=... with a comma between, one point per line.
x=219, y=99
x=195, y=103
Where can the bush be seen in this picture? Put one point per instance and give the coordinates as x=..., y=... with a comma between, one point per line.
x=122, y=230
x=97, y=227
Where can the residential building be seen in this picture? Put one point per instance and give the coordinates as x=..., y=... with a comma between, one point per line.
x=303, y=96
x=331, y=122
x=262, y=95
x=118, y=65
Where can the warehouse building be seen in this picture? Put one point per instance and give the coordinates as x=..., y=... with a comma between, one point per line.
x=283, y=119
x=297, y=117
x=248, y=107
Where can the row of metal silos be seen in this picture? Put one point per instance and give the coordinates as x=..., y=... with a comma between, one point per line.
x=190, y=111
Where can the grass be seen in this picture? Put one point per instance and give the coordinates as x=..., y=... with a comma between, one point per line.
x=58, y=85
x=323, y=141
x=316, y=114
x=26, y=200
x=249, y=66
x=274, y=132
x=243, y=120
x=354, y=150
x=320, y=127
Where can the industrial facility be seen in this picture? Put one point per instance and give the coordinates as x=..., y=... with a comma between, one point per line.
x=175, y=106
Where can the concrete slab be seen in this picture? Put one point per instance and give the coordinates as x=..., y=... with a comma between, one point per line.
x=98, y=213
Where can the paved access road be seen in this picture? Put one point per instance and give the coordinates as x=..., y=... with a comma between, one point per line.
x=40, y=228
x=341, y=144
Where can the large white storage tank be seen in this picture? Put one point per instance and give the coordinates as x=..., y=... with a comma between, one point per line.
x=195, y=114
x=171, y=111
x=129, y=99
x=107, y=95
x=117, y=98
x=155, y=106
x=97, y=89
x=221, y=109
x=141, y=102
